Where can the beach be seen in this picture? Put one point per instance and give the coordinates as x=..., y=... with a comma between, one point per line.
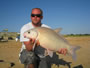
x=9, y=54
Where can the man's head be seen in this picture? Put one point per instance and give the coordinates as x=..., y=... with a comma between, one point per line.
x=36, y=16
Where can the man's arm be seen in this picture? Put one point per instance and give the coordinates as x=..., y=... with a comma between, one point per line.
x=29, y=44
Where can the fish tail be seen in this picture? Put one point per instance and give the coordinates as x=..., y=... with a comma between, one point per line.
x=73, y=51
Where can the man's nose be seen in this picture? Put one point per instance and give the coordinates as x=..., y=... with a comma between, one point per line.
x=35, y=16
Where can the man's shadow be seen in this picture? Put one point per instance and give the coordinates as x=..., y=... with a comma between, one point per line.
x=55, y=60
x=78, y=66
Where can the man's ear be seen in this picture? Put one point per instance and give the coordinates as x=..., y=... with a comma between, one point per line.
x=41, y=17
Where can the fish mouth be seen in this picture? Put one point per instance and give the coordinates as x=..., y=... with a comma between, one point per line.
x=24, y=35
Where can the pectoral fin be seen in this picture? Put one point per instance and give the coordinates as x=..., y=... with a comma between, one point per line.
x=48, y=52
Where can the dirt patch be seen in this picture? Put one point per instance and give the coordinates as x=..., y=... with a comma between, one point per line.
x=9, y=52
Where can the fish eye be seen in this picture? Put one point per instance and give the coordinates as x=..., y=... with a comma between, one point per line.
x=29, y=32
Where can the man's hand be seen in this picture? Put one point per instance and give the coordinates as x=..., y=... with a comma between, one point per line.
x=62, y=51
x=38, y=43
x=33, y=41
x=29, y=44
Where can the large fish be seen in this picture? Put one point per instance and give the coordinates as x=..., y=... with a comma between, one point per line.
x=51, y=40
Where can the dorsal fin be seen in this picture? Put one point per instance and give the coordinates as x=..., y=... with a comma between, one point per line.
x=57, y=30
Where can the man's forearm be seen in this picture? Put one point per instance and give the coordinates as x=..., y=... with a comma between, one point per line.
x=28, y=45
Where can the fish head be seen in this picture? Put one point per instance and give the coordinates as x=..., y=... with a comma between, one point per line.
x=32, y=33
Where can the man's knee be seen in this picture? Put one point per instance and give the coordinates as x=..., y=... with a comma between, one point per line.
x=29, y=66
x=27, y=57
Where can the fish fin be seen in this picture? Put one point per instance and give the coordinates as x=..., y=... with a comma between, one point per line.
x=73, y=51
x=35, y=43
x=57, y=30
x=50, y=53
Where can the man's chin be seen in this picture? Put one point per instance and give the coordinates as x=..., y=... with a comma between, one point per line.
x=35, y=23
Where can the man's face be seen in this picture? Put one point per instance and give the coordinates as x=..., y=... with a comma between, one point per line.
x=36, y=16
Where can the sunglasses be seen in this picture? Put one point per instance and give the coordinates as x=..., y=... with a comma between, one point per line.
x=38, y=15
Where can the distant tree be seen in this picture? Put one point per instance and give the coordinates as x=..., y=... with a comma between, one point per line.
x=71, y=34
x=5, y=30
x=5, y=34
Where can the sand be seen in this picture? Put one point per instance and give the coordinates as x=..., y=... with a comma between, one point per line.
x=9, y=51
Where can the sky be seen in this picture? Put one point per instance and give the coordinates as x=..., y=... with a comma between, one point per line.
x=73, y=16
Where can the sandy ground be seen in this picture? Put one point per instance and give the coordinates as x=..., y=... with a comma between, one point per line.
x=9, y=57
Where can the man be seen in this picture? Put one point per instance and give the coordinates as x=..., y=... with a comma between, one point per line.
x=27, y=56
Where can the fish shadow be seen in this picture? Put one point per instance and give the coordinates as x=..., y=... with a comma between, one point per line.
x=55, y=60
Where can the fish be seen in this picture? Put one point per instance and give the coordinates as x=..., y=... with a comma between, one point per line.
x=51, y=40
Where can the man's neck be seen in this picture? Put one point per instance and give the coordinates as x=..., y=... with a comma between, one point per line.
x=38, y=25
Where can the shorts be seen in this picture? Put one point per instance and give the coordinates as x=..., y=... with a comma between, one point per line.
x=27, y=57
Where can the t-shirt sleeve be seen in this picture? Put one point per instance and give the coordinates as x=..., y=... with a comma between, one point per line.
x=45, y=26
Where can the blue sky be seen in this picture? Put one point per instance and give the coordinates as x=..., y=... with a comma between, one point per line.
x=73, y=16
